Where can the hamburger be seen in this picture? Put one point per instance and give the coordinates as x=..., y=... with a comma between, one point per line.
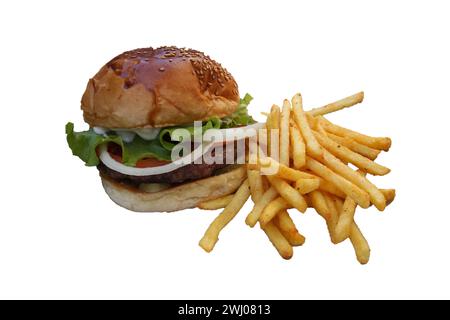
x=135, y=103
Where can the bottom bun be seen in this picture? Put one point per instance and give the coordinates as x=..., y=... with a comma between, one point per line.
x=187, y=195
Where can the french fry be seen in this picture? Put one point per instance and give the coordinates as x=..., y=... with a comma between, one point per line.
x=339, y=203
x=345, y=171
x=283, y=172
x=320, y=129
x=345, y=221
x=211, y=236
x=333, y=216
x=319, y=203
x=264, y=138
x=313, y=122
x=389, y=195
x=272, y=209
x=361, y=197
x=363, y=150
x=272, y=123
x=338, y=105
x=259, y=206
x=298, y=147
x=274, y=117
x=312, y=146
x=218, y=203
x=284, y=132
x=266, y=184
x=305, y=186
x=380, y=143
x=256, y=184
x=360, y=244
x=307, y=165
x=268, y=120
x=278, y=240
x=287, y=227
x=347, y=155
x=260, y=148
x=292, y=121
x=330, y=188
x=289, y=194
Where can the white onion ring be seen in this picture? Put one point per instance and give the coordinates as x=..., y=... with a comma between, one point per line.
x=242, y=130
x=108, y=161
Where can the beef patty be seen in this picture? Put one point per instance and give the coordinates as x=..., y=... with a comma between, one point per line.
x=180, y=175
x=186, y=173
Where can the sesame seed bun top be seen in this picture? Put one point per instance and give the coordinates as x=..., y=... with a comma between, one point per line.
x=158, y=88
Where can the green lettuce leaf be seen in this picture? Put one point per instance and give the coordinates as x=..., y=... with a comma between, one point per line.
x=139, y=149
x=165, y=135
x=84, y=145
x=240, y=117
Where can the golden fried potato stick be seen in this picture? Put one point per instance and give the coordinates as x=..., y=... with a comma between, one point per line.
x=212, y=233
x=319, y=203
x=357, y=239
x=272, y=209
x=305, y=186
x=331, y=188
x=275, y=113
x=266, y=184
x=218, y=203
x=284, y=132
x=380, y=143
x=360, y=244
x=360, y=181
x=292, y=196
x=345, y=221
x=282, y=220
x=333, y=216
x=287, y=227
x=346, y=216
x=389, y=194
x=298, y=147
x=280, y=243
x=312, y=146
x=338, y=105
x=272, y=123
x=362, y=149
x=259, y=206
x=346, y=155
x=256, y=184
x=361, y=197
x=293, y=175
x=283, y=172
x=320, y=129
x=339, y=203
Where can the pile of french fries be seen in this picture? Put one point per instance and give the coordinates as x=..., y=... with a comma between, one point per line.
x=312, y=172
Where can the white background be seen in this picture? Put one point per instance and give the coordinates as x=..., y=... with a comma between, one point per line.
x=61, y=236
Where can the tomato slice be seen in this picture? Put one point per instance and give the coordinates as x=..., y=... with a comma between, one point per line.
x=116, y=153
x=150, y=162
